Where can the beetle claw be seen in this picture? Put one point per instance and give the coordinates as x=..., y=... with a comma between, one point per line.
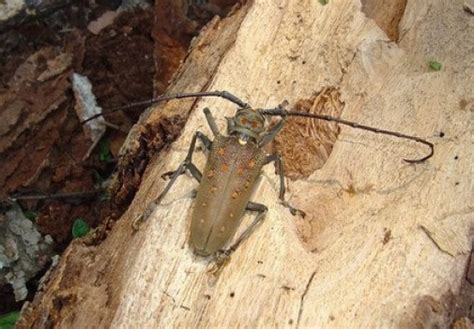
x=220, y=260
x=300, y=212
x=138, y=221
x=167, y=175
x=293, y=211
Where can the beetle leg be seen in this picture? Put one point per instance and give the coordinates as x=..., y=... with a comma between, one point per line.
x=268, y=137
x=211, y=122
x=222, y=257
x=189, y=158
x=185, y=165
x=262, y=211
x=204, y=139
x=280, y=171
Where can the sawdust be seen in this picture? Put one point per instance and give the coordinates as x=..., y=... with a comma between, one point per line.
x=306, y=144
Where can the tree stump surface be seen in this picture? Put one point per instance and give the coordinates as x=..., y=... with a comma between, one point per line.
x=384, y=243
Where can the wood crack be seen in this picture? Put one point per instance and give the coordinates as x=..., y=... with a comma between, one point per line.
x=306, y=289
x=428, y=233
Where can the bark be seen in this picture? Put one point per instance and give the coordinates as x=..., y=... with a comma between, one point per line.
x=384, y=243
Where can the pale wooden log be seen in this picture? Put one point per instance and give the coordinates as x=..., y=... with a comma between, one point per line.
x=385, y=243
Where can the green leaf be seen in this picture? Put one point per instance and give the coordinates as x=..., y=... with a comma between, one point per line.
x=104, y=150
x=31, y=215
x=435, y=66
x=324, y=2
x=80, y=228
x=8, y=320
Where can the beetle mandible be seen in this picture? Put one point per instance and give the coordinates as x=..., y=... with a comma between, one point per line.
x=232, y=170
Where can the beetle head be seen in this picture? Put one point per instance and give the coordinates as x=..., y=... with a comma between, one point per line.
x=248, y=123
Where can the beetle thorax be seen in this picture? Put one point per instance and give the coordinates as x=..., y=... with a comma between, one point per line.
x=248, y=124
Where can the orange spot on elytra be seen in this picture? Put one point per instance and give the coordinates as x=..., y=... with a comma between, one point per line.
x=224, y=167
x=251, y=164
x=220, y=151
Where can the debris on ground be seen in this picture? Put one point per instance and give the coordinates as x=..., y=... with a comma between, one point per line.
x=23, y=251
x=86, y=107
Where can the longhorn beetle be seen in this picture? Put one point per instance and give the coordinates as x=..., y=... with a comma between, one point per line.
x=233, y=167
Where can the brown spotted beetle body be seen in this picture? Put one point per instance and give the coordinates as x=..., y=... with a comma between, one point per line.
x=231, y=172
x=232, y=169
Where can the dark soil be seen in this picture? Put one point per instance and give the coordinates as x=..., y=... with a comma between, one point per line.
x=43, y=145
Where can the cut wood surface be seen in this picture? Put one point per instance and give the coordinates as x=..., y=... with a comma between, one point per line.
x=384, y=243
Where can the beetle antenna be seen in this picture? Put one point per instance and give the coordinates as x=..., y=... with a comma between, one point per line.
x=282, y=112
x=164, y=98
